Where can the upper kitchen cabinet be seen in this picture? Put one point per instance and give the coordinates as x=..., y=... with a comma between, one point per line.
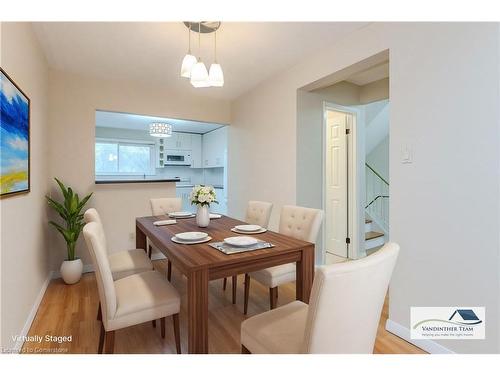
x=214, y=148
x=196, y=151
x=178, y=141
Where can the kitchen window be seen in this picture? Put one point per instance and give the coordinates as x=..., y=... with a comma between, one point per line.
x=124, y=158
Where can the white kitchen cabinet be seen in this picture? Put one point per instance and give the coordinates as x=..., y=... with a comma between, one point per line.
x=214, y=148
x=196, y=151
x=221, y=207
x=180, y=141
x=183, y=193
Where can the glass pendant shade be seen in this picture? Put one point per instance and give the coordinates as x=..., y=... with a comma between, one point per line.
x=199, y=75
x=215, y=76
x=160, y=129
x=187, y=65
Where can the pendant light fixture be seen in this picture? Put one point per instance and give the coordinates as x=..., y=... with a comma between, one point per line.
x=160, y=130
x=215, y=76
x=199, y=74
x=194, y=68
x=189, y=60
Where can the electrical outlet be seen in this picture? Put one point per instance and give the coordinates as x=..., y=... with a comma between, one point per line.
x=131, y=236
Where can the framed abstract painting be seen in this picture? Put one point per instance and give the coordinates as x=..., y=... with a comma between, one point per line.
x=14, y=138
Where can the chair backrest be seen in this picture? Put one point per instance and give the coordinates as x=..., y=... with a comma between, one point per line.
x=346, y=302
x=94, y=237
x=258, y=213
x=300, y=222
x=92, y=216
x=163, y=206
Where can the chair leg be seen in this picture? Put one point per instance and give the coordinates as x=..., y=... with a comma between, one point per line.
x=150, y=251
x=272, y=297
x=276, y=292
x=101, y=339
x=244, y=350
x=154, y=323
x=110, y=342
x=247, y=292
x=224, y=284
x=177, y=335
x=235, y=284
x=99, y=313
x=162, y=321
x=169, y=270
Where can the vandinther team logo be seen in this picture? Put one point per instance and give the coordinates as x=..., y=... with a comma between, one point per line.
x=448, y=323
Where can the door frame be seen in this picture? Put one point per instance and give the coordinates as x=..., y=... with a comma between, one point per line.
x=355, y=190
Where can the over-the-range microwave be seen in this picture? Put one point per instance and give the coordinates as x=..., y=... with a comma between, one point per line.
x=177, y=157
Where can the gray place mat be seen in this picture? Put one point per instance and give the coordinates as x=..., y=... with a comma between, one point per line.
x=228, y=249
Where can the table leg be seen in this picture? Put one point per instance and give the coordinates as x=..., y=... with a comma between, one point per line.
x=305, y=274
x=198, y=312
x=140, y=239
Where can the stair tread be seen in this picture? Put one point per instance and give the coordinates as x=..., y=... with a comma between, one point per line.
x=371, y=235
x=368, y=221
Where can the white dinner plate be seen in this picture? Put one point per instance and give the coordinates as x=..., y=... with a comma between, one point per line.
x=241, y=241
x=180, y=214
x=261, y=230
x=248, y=228
x=176, y=240
x=191, y=236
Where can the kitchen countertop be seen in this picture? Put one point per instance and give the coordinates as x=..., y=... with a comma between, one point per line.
x=142, y=181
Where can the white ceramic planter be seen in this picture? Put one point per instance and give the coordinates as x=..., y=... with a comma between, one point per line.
x=71, y=271
x=203, y=216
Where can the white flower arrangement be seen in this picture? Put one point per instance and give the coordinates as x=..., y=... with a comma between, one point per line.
x=202, y=195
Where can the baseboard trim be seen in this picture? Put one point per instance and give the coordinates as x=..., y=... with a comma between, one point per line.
x=31, y=316
x=429, y=346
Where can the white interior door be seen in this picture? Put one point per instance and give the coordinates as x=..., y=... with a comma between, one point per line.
x=336, y=203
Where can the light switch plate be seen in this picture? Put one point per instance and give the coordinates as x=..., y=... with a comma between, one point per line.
x=407, y=153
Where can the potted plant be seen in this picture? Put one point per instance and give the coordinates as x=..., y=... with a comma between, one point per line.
x=202, y=196
x=70, y=210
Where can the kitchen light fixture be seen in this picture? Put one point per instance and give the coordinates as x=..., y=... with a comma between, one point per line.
x=189, y=60
x=160, y=129
x=197, y=71
x=215, y=76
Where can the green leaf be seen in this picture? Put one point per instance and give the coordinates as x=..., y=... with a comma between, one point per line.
x=62, y=187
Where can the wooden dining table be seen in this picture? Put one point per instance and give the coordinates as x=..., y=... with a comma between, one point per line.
x=201, y=263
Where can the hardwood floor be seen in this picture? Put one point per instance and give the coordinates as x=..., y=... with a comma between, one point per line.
x=72, y=309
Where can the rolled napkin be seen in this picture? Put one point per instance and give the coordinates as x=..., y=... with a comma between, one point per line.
x=164, y=222
x=215, y=216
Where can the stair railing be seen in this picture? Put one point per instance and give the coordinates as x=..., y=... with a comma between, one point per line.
x=377, y=194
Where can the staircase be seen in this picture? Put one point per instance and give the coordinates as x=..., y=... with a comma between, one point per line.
x=376, y=209
x=374, y=239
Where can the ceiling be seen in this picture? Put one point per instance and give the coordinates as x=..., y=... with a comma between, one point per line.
x=372, y=74
x=140, y=122
x=152, y=52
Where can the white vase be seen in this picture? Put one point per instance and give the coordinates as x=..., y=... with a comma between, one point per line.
x=203, y=216
x=71, y=271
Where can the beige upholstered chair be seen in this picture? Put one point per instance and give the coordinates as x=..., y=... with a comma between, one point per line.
x=298, y=222
x=159, y=207
x=342, y=315
x=132, y=300
x=163, y=206
x=122, y=263
x=258, y=213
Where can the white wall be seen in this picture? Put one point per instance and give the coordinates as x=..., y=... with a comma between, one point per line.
x=378, y=159
x=24, y=245
x=73, y=101
x=449, y=195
